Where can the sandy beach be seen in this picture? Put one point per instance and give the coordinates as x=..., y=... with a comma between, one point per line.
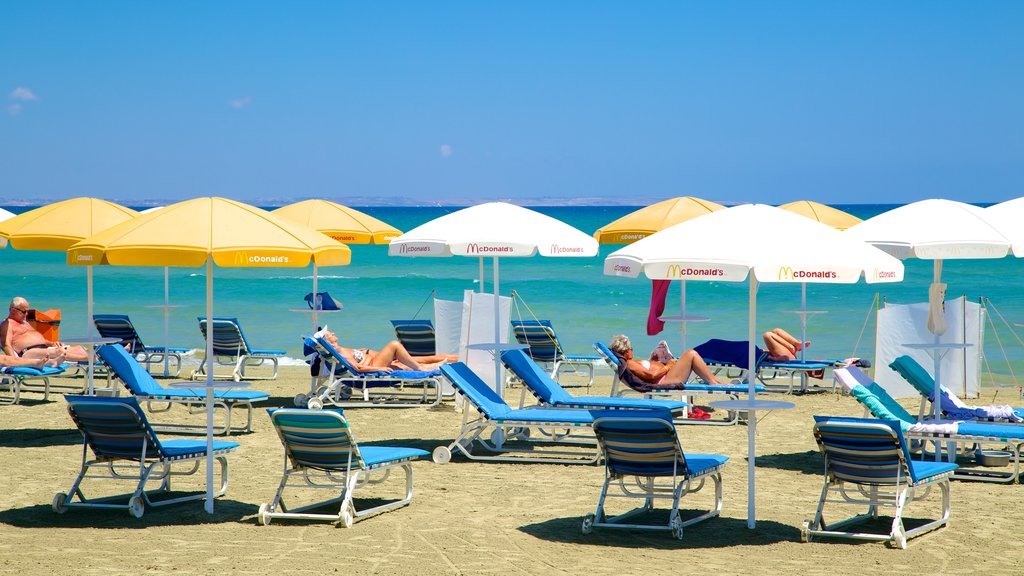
x=473, y=518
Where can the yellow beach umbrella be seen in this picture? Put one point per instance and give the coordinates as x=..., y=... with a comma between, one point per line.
x=56, y=227
x=342, y=223
x=207, y=231
x=825, y=214
x=654, y=218
x=830, y=217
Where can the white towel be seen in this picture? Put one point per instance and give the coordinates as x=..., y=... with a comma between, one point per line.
x=936, y=427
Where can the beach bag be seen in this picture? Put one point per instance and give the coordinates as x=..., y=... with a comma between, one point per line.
x=323, y=301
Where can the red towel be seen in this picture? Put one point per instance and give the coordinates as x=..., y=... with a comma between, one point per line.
x=659, y=290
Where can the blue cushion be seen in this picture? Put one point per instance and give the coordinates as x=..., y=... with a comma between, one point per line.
x=738, y=388
x=1008, y=431
x=194, y=447
x=922, y=469
x=631, y=403
x=698, y=463
x=380, y=454
x=543, y=415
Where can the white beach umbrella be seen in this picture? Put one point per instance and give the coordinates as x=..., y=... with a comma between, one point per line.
x=934, y=230
x=1007, y=218
x=764, y=244
x=498, y=230
x=5, y=214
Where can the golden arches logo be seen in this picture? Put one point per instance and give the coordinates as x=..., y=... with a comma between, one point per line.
x=785, y=273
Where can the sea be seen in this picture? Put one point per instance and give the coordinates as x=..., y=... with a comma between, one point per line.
x=583, y=304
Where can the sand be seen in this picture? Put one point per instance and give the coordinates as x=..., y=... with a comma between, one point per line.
x=474, y=518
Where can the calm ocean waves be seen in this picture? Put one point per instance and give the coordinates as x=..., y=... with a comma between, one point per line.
x=583, y=304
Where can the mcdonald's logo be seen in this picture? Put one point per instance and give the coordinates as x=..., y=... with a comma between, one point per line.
x=677, y=271
x=785, y=273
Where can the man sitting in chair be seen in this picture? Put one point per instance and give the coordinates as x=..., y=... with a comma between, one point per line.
x=22, y=340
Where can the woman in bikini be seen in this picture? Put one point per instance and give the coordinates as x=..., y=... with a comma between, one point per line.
x=672, y=371
x=393, y=356
x=782, y=345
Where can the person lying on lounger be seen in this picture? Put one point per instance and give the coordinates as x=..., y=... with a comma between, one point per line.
x=662, y=369
x=782, y=345
x=393, y=356
x=22, y=339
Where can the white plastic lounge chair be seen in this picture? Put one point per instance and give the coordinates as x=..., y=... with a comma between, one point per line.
x=231, y=348
x=142, y=385
x=867, y=463
x=320, y=452
x=971, y=437
x=125, y=447
x=951, y=405
x=644, y=460
x=686, y=392
x=519, y=435
x=120, y=326
x=549, y=393
x=417, y=336
x=18, y=379
x=546, y=350
x=346, y=387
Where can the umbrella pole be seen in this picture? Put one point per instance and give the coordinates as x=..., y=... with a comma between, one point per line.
x=752, y=417
x=481, y=274
x=209, y=384
x=315, y=274
x=682, y=314
x=936, y=362
x=803, y=319
x=167, y=321
x=88, y=324
x=498, y=384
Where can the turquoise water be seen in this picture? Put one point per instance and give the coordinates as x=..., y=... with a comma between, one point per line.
x=583, y=304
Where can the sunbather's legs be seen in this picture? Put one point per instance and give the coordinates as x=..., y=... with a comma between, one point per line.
x=69, y=353
x=393, y=351
x=690, y=361
x=781, y=345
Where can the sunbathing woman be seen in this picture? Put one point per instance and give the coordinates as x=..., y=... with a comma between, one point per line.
x=667, y=372
x=782, y=345
x=393, y=356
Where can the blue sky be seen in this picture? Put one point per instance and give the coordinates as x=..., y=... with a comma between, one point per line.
x=841, y=102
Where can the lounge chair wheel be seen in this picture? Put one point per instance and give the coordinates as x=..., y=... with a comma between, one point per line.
x=899, y=538
x=263, y=516
x=442, y=455
x=301, y=400
x=588, y=523
x=59, y=505
x=677, y=528
x=136, y=507
x=805, y=531
x=346, y=517
x=498, y=438
x=315, y=404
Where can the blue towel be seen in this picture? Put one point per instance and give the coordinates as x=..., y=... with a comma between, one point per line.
x=732, y=352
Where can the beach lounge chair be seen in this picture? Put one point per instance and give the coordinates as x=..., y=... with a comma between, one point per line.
x=644, y=460
x=730, y=357
x=951, y=405
x=417, y=336
x=867, y=463
x=965, y=440
x=546, y=350
x=518, y=435
x=320, y=452
x=686, y=392
x=125, y=447
x=231, y=348
x=141, y=384
x=18, y=379
x=119, y=326
x=346, y=387
x=549, y=393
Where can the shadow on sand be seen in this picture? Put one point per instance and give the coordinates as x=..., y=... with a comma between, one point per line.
x=721, y=532
x=39, y=437
x=183, y=514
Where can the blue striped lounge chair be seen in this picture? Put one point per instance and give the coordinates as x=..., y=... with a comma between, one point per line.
x=417, y=336
x=951, y=405
x=544, y=348
x=867, y=463
x=320, y=451
x=231, y=348
x=686, y=392
x=644, y=460
x=120, y=326
x=125, y=447
x=518, y=435
x=549, y=393
x=144, y=387
x=347, y=387
x=963, y=440
x=18, y=379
